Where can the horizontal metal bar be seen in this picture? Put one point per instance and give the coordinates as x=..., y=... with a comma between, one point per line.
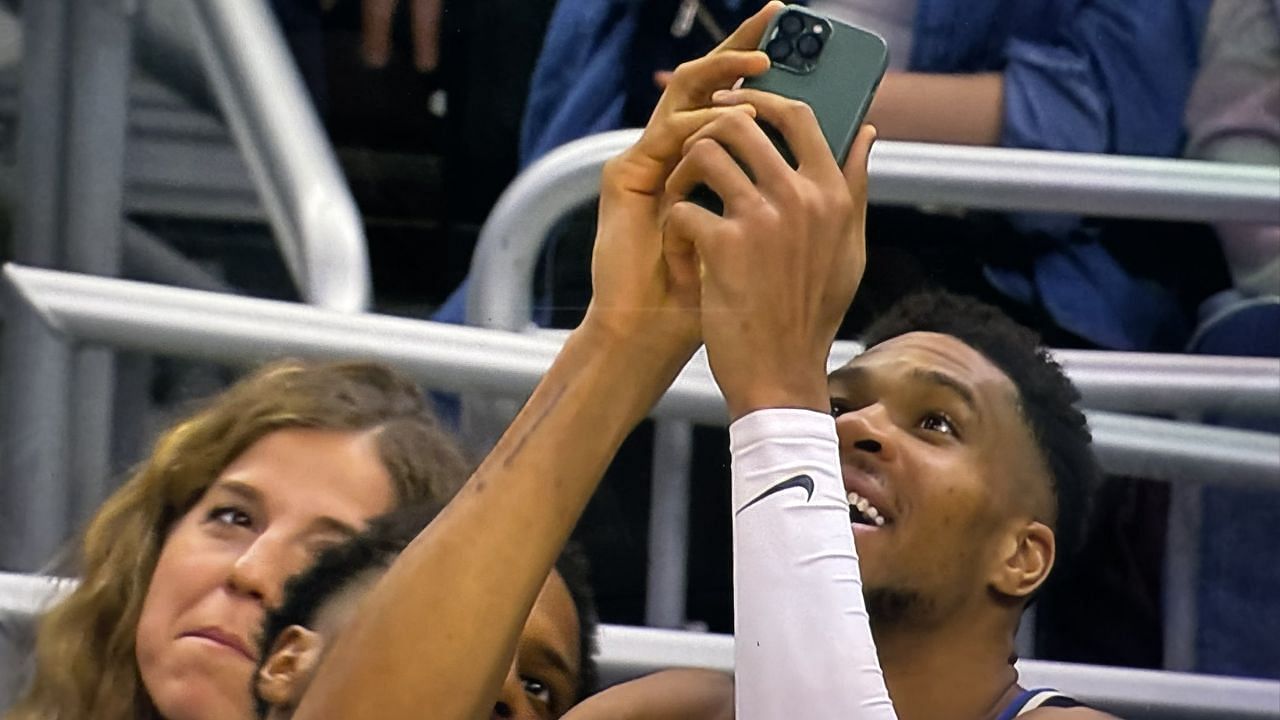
x=238, y=330
x=901, y=173
x=1076, y=183
x=627, y=652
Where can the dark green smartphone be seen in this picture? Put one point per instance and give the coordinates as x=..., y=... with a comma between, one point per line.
x=833, y=67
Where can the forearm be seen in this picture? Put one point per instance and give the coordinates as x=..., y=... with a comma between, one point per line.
x=803, y=645
x=668, y=695
x=444, y=621
x=959, y=109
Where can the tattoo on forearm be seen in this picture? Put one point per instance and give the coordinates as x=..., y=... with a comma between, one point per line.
x=533, y=428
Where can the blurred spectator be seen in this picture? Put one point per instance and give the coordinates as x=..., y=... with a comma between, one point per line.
x=1233, y=115
x=1105, y=76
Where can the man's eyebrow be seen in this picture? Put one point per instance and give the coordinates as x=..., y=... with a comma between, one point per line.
x=941, y=379
x=334, y=525
x=847, y=374
x=556, y=659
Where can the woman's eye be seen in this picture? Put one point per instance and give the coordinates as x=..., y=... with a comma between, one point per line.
x=538, y=690
x=839, y=408
x=230, y=515
x=938, y=422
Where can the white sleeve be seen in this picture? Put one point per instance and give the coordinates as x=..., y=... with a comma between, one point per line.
x=803, y=646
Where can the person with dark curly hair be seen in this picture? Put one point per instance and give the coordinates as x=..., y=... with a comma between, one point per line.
x=552, y=670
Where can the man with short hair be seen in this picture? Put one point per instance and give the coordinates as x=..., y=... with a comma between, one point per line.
x=553, y=668
x=955, y=449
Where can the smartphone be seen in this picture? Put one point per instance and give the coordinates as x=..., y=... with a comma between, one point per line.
x=833, y=67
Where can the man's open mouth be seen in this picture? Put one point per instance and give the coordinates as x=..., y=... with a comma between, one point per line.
x=862, y=512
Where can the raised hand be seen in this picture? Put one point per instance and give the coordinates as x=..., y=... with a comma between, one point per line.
x=781, y=266
x=638, y=288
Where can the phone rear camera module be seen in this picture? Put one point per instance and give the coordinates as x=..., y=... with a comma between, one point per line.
x=779, y=49
x=809, y=46
x=791, y=24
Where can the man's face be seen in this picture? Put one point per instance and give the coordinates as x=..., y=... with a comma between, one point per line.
x=541, y=683
x=932, y=442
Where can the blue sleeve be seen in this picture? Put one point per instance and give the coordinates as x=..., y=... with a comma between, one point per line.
x=1109, y=76
x=578, y=87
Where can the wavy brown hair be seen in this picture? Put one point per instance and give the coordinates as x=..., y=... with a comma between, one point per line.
x=85, y=663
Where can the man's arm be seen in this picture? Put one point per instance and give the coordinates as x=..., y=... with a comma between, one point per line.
x=667, y=695
x=438, y=630
x=780, y=268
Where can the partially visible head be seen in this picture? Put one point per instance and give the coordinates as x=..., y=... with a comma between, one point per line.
x=961, y=431
x=181, y=563
x=553, y=666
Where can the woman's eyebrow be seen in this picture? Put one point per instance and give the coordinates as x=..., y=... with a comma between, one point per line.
x=242, y=489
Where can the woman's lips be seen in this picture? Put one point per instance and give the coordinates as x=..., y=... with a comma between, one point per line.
x=229, y=640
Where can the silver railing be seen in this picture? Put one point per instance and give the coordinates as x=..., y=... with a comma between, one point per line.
x=501, y=292
x=628, y=652
x=73, y=167
x=239, y=330
x=312, y=213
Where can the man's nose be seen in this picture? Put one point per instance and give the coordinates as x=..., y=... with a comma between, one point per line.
x=513, y=701
x=868, y=430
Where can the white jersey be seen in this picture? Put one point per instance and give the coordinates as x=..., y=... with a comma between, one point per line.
x=803, y=646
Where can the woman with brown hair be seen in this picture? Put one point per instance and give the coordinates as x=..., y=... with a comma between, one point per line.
x=179, y=565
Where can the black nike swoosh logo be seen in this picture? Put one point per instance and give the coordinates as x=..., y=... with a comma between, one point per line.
x=799, y=481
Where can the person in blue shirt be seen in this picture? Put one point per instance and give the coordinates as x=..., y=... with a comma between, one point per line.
x=1100, y=76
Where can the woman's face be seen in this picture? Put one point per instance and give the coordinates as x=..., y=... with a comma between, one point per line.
x=291, y=494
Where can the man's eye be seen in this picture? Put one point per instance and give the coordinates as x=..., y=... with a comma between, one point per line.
x=537, y=689
x=839, y=407
x=938, y=422
x=230, y=515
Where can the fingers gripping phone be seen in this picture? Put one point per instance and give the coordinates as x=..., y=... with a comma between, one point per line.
x=833, y=67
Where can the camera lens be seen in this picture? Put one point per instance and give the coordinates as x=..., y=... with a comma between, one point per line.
x=791, y=23
x=778, y=49
x=809, y=46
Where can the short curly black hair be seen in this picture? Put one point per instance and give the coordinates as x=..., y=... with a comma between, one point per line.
x=373, y=550
x=1047, y=399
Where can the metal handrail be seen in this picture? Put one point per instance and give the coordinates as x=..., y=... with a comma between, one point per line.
x=240, y=330
x=510, y=242
x=627, y=652
x=315, y=219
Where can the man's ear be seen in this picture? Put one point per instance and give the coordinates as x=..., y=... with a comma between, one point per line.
x=287, y=671
x=1026, y=557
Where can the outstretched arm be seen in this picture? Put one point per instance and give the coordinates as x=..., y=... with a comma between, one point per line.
x=779, y=270
x=439, y=628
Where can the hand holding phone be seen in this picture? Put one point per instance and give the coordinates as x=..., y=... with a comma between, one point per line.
x=832, y=67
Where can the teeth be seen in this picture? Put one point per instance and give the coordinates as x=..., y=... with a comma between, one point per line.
x=866, y=508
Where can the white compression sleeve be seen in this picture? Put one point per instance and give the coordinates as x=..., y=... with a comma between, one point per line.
x=803, y=646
